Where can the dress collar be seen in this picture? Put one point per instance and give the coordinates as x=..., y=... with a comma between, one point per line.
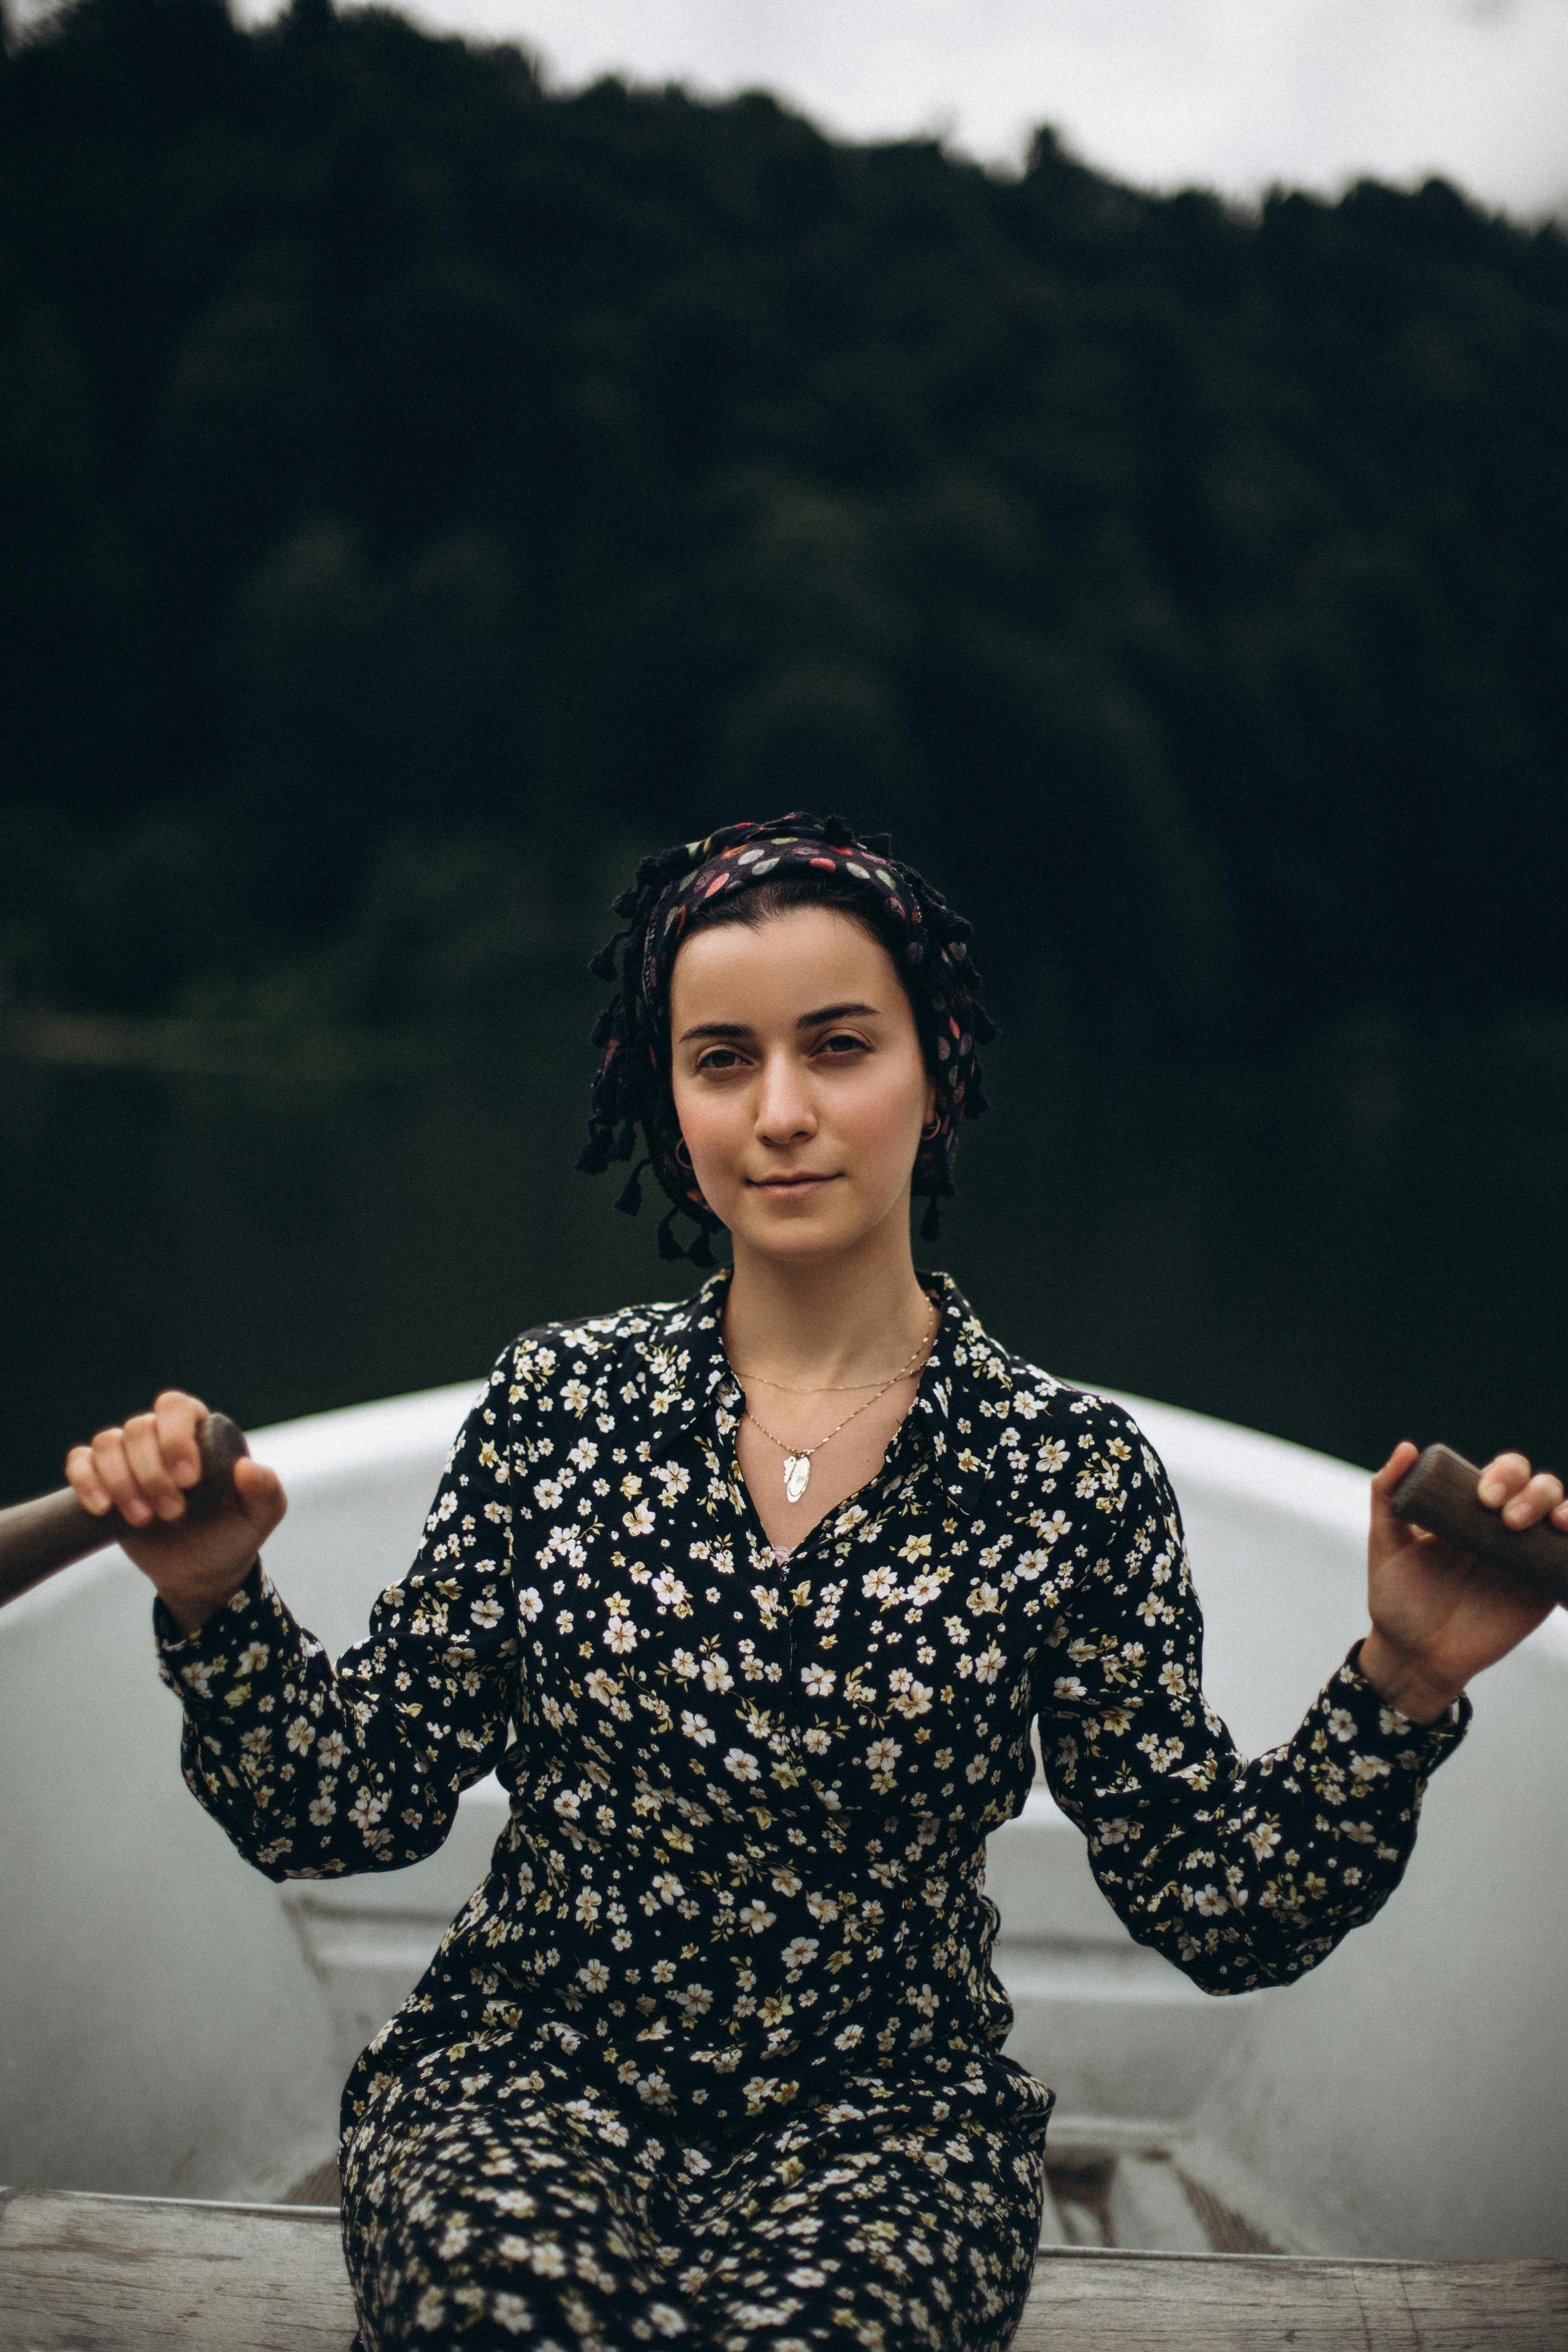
x=960, y=1408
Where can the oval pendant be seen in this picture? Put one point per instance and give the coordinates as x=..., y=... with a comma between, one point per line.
x=797, y=1470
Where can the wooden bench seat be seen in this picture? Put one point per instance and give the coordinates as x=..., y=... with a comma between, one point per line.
x=80, y=2273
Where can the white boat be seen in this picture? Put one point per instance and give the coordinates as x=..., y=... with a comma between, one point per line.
x=175, y=2026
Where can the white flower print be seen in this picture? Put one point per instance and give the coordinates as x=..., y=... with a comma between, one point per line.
x=742, y=1763
x=716, y=1674
x=908, y=1695
x=695, y=1726
x=818, y=1680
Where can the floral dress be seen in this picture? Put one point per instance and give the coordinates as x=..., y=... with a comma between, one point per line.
x=715, y=2050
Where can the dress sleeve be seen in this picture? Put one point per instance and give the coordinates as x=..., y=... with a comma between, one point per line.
x=314, y=1769
x=1242, y=1871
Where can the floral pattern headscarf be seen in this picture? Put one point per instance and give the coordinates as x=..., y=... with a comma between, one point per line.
x=632, y=1088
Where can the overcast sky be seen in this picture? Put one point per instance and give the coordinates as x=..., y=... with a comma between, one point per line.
x=1229, y=93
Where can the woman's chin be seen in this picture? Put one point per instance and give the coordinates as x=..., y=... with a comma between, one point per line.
x=800, y=1231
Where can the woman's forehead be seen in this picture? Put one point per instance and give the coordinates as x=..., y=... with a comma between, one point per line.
x=798, y=961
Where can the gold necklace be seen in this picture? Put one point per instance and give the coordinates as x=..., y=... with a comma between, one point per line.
x=828, y=1388
x=797, y=1458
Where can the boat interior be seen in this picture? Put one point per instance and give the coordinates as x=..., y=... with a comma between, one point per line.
x=1390, y=2135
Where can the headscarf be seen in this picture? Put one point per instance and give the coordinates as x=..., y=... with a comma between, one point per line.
x=632, y=1088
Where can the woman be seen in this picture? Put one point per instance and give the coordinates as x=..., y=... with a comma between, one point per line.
x=752, y=1600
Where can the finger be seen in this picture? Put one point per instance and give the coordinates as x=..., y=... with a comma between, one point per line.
x=1504, y=1475
x=149, y=1468
x=1394, y=1468
x=1560, y=1517
x=1533, y=1502
x=116, y=1476
x=259, y=1493
x=179, y=1418
x=82, y=1473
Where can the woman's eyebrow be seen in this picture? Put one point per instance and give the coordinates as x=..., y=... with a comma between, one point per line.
x=805, y=1021
x=834, y=1013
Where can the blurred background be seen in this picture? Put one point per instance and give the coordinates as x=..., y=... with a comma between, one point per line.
x=429, y=480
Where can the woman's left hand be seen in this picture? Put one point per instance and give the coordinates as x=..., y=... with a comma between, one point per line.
x=1440, y=1614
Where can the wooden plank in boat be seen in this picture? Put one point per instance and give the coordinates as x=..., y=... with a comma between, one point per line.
x=81, y=2273
x=1111, y=2302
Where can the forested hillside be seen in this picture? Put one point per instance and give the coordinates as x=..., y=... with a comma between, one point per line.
x=416, y=487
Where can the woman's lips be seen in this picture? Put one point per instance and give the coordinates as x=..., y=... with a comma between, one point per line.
x=804, y=1183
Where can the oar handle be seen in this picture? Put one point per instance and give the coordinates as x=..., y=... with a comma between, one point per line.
x=37, y=1538
x=1438, y=1493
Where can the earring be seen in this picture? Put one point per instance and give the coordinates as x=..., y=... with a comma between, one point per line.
x=683, y=1156
x=931, y=1127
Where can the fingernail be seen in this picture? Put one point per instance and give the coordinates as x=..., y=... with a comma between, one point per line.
x=136, y=1512
x=1491, y=1491
x=1517, y=1512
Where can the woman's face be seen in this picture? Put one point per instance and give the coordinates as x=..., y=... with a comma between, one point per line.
x=798, y=1080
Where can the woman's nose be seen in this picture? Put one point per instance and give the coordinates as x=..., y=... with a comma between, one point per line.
x=784, y=1111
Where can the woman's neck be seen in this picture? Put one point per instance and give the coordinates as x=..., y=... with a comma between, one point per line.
x=854, y=1317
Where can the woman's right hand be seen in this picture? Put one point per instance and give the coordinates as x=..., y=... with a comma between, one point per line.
x=144, y=1471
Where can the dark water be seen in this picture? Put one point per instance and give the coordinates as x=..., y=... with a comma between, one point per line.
x=1370, y=1243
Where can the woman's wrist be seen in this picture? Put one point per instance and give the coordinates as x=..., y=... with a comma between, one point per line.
x=1404, y=1682
x=190, y=1607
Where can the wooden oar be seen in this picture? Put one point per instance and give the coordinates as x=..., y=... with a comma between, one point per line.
x=37, y=1538
x=1438, y=1493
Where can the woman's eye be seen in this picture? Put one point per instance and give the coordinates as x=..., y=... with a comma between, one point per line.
x=720, y=1058
x=843, y=1045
